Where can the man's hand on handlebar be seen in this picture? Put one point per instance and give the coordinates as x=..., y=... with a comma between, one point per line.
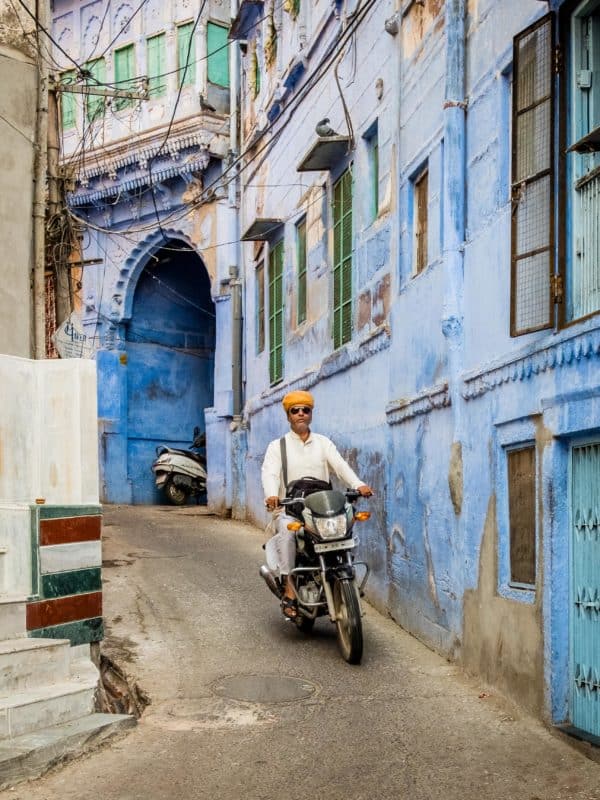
x=272, y=503
x=365, y=491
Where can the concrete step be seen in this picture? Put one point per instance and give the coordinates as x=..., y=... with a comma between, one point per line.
x=27, y=663
x=12, y=617
x=45, y=706
x=29, y=756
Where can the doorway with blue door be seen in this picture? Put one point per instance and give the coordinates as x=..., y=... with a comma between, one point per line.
x=170, y=344
x=585, y=588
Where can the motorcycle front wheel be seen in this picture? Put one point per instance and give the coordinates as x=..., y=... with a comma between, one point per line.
x=348, y=620
x=175, y=494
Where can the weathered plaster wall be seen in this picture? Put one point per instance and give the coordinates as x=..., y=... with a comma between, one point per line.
x=18, y=102
x=503, y=639
x=48, y=445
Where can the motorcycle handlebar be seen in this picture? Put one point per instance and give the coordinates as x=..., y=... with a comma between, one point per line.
x=351, y=495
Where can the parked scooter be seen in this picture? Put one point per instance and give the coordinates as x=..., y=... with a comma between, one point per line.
x=181, y=473
x=325, y=571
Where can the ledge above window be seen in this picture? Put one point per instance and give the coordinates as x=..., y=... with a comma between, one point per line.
x=325, y=154
x=262, y=229
x=587, y=144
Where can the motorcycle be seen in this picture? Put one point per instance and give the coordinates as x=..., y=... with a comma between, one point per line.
x=181, y=473
x=325, y=571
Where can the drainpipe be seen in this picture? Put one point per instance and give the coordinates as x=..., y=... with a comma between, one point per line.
x=39, y=196
x=236, y=282
x=454, y=200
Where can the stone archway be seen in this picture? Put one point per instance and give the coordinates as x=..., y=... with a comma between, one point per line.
x=159, y=379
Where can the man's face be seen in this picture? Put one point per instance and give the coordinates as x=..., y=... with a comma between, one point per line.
x=299, y=417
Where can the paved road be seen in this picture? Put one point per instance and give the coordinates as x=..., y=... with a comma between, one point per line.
x=185, y=606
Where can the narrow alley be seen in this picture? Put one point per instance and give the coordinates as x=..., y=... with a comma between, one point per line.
x=190, y=620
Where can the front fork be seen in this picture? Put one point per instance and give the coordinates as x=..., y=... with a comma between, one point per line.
x=344, y=571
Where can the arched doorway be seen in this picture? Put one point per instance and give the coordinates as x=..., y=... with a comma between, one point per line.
x=170, y=345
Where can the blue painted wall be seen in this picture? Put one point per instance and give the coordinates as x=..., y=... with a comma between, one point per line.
x=431, y=391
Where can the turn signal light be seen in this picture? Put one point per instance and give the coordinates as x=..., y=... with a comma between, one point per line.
x=361, y=516
x=294, y=526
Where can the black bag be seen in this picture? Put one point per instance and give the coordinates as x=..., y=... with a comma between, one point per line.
x=301, y=487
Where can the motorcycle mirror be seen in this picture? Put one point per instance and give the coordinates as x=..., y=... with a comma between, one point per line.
x=196, y=431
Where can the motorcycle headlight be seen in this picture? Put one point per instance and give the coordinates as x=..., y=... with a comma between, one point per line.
x=331, y=527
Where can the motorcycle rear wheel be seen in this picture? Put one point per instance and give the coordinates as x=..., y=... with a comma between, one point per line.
x=175, y=494
x=348, y=620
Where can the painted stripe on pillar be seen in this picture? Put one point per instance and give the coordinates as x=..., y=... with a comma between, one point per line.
x=68, y=557
x=70, y=529
x=51, y=512
x=81, y=632
x=80, y=581
x=65, y=609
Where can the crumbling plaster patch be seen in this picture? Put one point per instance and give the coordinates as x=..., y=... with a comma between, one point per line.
x=503, y=638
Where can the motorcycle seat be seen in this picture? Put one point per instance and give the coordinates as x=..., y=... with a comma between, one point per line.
x=188, y=454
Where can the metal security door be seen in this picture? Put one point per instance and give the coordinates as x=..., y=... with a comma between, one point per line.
x=585, y=588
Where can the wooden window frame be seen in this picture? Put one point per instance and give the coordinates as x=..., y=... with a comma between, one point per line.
x=157, y=81
x=276, y=312
x=186, y=54
x=518, y=504
x=302, y=271
x=343, y=258
x=420, y=189
x=95, y=105
x=260, y=305
x=122, y=103
x=523, y=186
x=210, y=56
x=68, y=103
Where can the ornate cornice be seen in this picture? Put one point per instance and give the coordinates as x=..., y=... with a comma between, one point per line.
x=433, y=398
x=339, y=361
x=568, y=349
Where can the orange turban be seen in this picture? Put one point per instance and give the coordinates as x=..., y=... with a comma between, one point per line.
x=298, y=398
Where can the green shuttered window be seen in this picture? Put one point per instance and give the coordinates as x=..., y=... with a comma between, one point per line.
x=67, y=100
x=157, y=65
x=342, y=260
x=301, y=256
x=94, y=104
x=124, y=74
x=276, y=314
x=260, y=307
x=218, y=54
x=186, y=54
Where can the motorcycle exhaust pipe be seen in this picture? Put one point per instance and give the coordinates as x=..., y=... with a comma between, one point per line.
x=269, y=579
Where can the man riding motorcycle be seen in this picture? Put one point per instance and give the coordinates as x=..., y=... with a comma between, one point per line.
x=299, y=454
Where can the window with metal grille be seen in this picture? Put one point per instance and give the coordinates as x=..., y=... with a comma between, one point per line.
x=125, y=70
x=94, y=104
x=521, y=500
x=186, y=54
x=342, y=260
x=532, y=194
x=218, y=54
x=301, y=259
x=420, y=219
x=276, y=313
x=260, y=306
x=68, y=103
x=583, y=164
x=157, y=65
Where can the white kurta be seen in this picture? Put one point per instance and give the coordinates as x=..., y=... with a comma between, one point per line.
x=317, y=457
x=314, y=458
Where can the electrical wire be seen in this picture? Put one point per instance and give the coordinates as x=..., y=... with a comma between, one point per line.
x=314, y=79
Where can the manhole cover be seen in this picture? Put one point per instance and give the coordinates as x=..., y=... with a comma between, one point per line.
x=264, y=688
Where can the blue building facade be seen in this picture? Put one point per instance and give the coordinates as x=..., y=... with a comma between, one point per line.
x=421, y=252
x=149, y=195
